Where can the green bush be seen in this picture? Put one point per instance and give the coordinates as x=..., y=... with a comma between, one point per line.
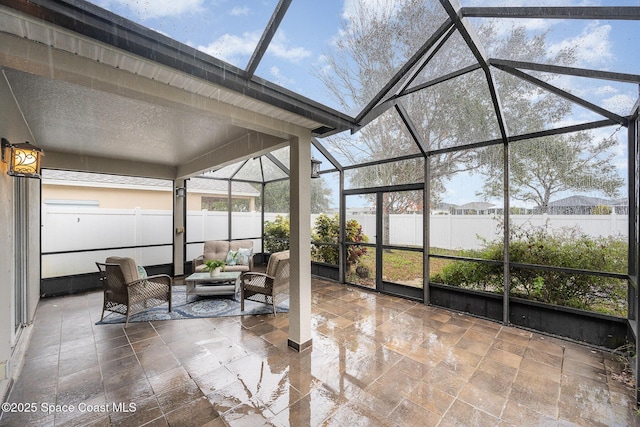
x=601, y=210
x=353, y=233
x=569, y=248
x=276, y=234
x=327, y=229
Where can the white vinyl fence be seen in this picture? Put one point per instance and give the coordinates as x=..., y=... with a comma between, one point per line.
x=211, y=225
x=467, y=231
x=80, y=230
x=70, y=228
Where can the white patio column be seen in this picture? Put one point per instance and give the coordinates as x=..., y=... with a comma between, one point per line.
x=179, y=204
x=300, y=278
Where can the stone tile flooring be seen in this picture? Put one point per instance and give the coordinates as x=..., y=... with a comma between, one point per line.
x=375, y=360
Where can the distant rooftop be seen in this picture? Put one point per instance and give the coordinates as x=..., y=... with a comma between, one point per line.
x=86, y=179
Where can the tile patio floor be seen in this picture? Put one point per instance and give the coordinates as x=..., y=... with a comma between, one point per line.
x=375, y=360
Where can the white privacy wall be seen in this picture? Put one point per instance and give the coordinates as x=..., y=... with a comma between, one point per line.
x=67, y=228
x=84, y=229
x=467, y=231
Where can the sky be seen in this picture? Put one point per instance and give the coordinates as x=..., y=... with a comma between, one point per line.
x=230, y=30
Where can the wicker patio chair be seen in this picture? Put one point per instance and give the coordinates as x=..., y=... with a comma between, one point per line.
x=271, y=287
x=127, y=293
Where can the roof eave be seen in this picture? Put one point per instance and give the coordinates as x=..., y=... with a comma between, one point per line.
x=106, y=27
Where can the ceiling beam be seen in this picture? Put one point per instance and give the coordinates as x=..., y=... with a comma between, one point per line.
x=427, y=59
x=400, y=74
x=261, y=168
x=278, y=163
x=564, y=94
x=471, y=38
x=410, y=76
x=267, y=36
x=384, y=161
x=99, y=164
x=628, y=13
x=238, y=169
x=336, y=164
x=527, y=136
x=441, y=79
x=566, y=129
x=417, y=138
x=578, y=72
x=251, y=145
x=374, y=113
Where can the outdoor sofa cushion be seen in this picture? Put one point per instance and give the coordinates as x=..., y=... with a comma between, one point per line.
x=218, y=250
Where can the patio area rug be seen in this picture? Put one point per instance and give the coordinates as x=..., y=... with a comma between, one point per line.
x=196, y=307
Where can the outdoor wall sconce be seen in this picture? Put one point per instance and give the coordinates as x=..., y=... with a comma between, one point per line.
x=315, y=167
x=23, y=159
x=181, y=192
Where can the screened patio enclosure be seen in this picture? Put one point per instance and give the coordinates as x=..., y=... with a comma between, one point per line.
x=472, y=113
x=547, y=175
x=483, y=159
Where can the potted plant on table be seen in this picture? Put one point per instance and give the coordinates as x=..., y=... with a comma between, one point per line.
x=214, y=266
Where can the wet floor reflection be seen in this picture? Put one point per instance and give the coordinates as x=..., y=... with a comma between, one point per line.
x=375, y=360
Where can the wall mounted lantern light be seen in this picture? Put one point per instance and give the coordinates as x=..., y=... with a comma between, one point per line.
x=315, y=167
x=23, y=159
x=181, y=192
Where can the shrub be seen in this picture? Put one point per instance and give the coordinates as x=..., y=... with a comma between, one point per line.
x=276, y=234
x=327, y=229
x=472, y=274
x=601, y=210
x=353, y=233
x=569, y=248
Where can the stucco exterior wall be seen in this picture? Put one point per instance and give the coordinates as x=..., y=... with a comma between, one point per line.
x=110, y=198
x=6, y=261
x=14, y=129
x=122, y=198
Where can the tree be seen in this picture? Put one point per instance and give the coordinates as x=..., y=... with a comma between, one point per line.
x=376, y=40
x=277, y=196
x=541, y=168
x=221, y=204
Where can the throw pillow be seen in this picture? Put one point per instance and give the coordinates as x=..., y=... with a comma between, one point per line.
x=142, y=273
x=232, y=258
x=244, y=255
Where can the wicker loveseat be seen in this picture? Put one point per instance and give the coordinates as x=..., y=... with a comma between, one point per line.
x=219, y=250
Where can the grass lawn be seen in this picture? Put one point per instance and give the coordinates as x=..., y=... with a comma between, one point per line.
x=405, y=267
x=400, y=266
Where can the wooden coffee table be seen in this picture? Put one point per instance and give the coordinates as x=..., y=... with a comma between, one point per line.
x=203, y=284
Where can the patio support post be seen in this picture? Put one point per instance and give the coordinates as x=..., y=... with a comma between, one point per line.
x=426, y=223
x=262, y=222
x=506, y=273
x=342, y=251
x=633, y=295
x=300, y=238
x=179, y=227
x=229, y=209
